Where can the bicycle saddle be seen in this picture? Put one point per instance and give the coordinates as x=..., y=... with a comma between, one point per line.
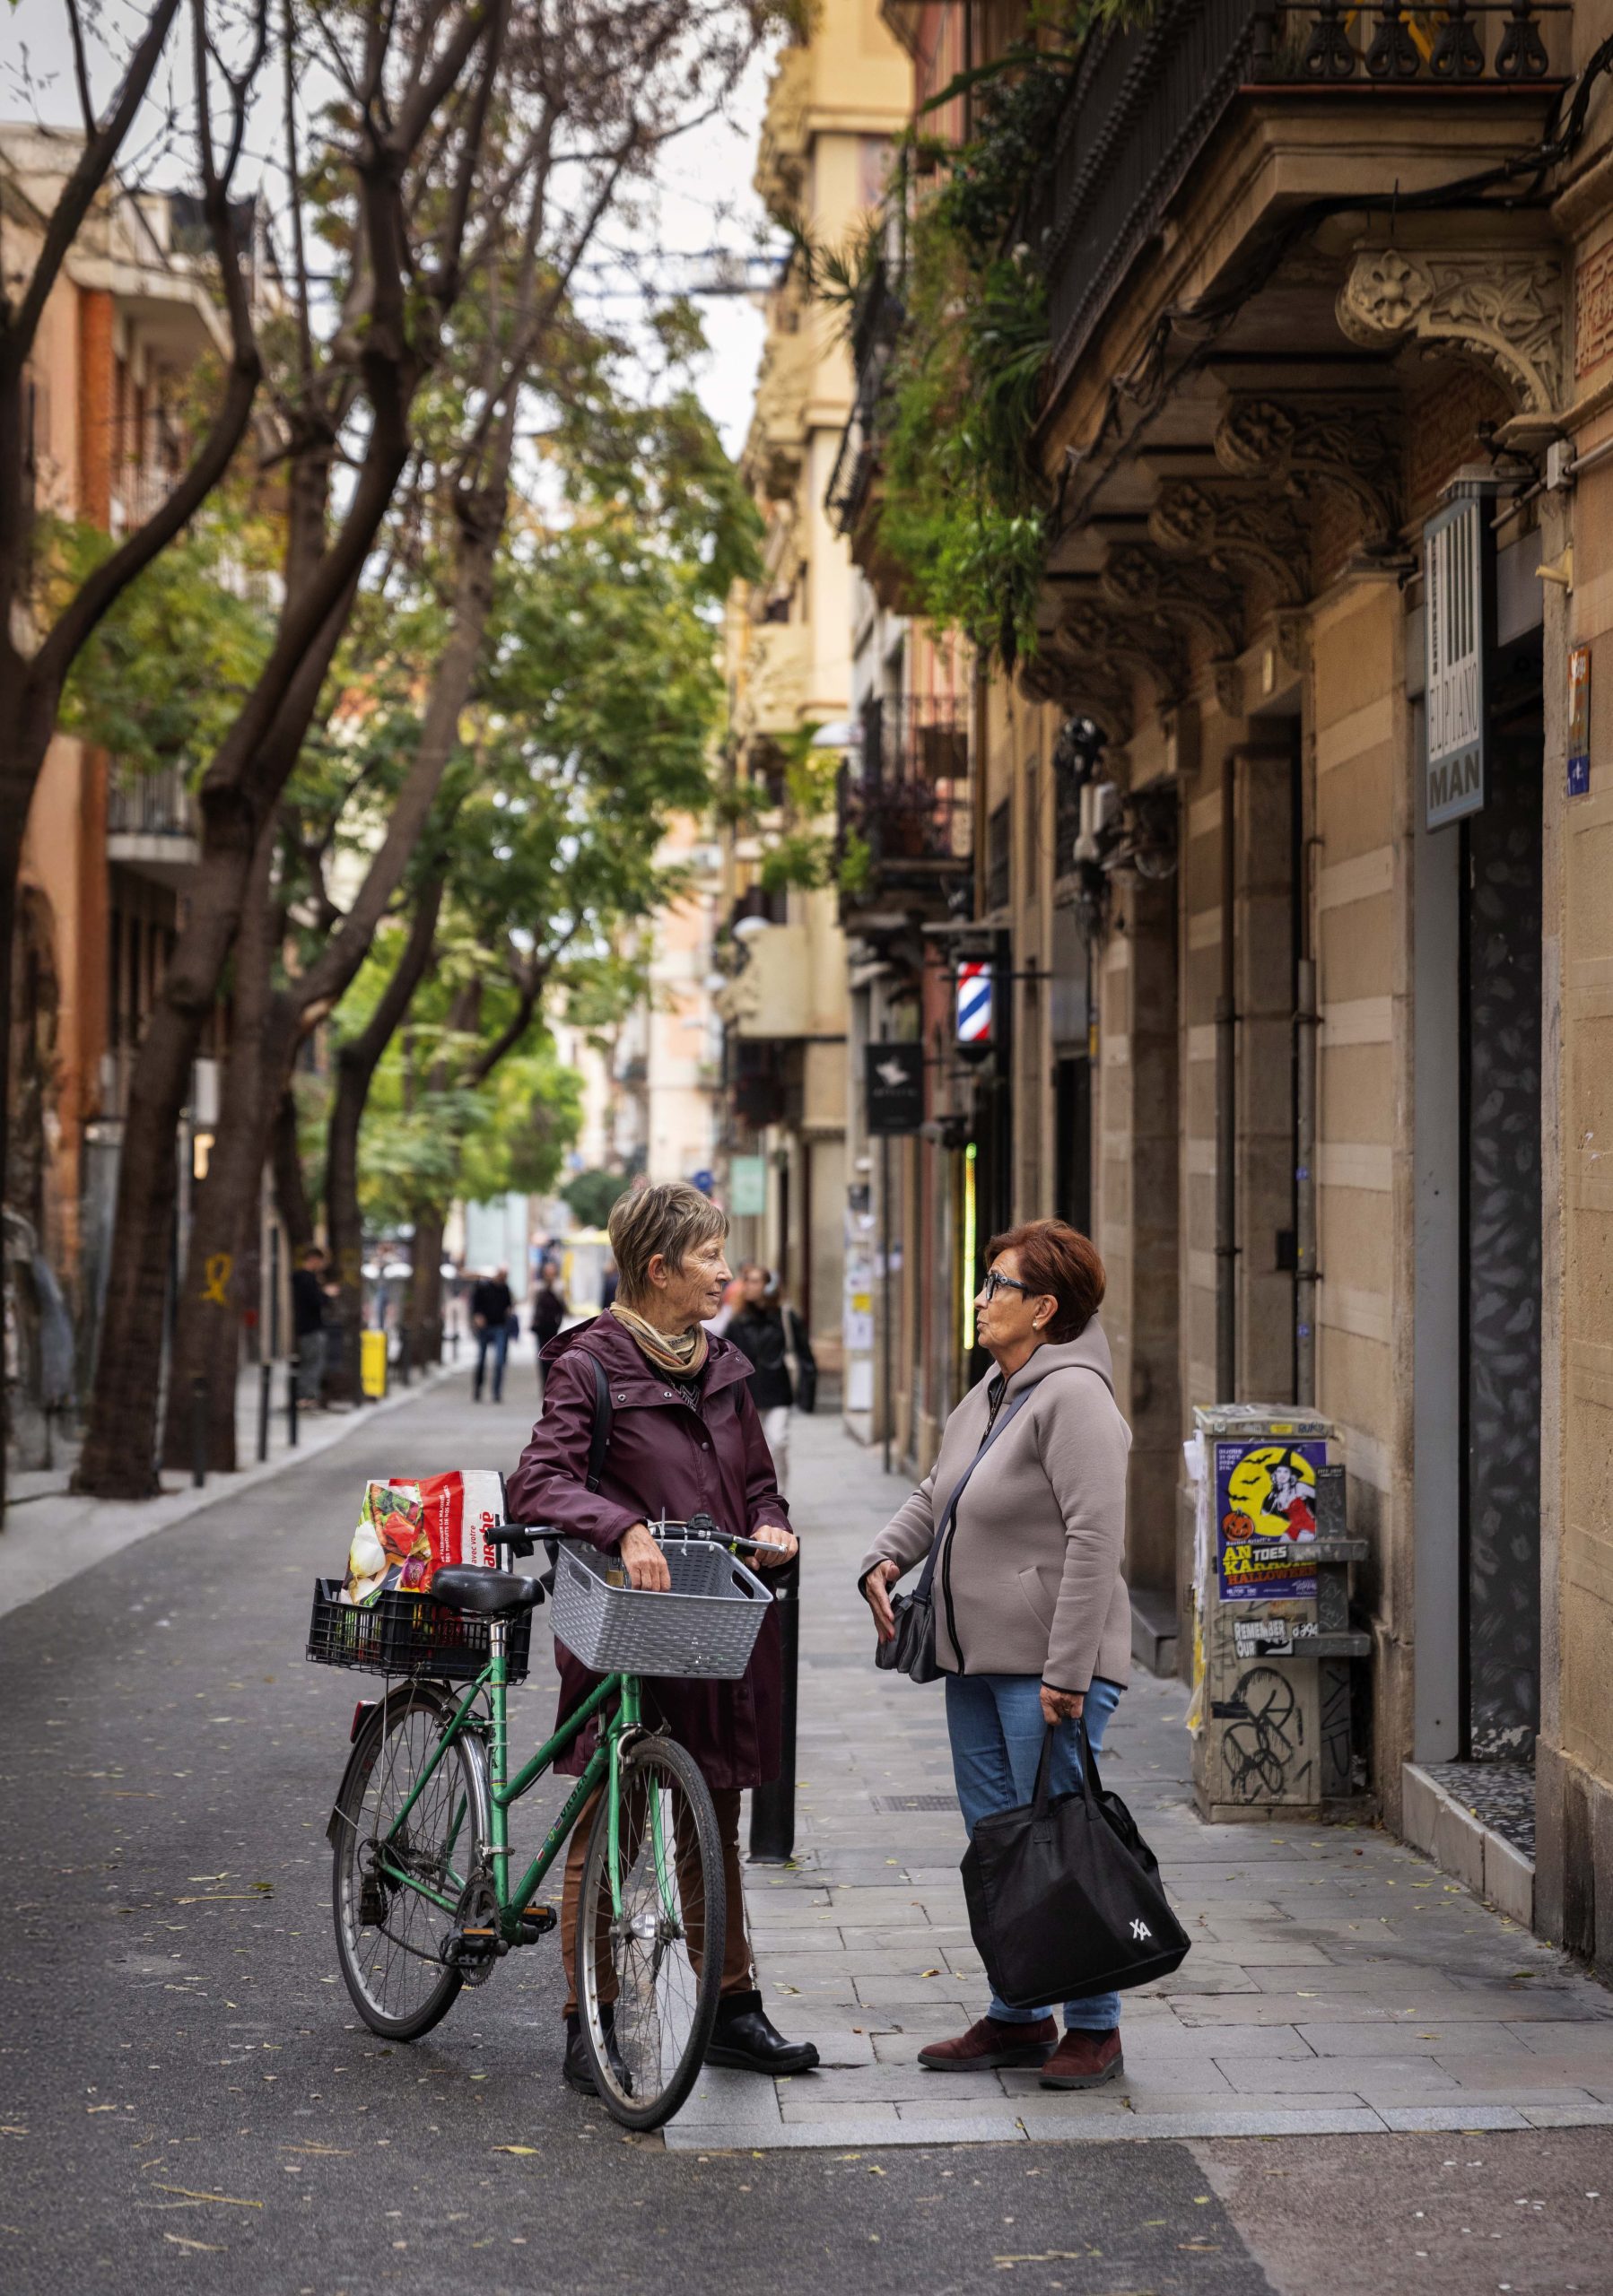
x=491, y=1593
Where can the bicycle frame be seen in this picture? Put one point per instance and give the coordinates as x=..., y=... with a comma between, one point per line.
x=506, y=1791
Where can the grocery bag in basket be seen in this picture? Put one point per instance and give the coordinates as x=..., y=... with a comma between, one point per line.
x=409, y=1530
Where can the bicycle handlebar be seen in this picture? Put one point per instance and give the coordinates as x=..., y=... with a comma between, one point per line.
x=521, y=1538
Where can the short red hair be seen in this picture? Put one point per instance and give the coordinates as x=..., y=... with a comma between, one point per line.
x=1057, y=1259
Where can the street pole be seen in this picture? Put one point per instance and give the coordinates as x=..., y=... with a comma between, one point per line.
x=773, y=1805
x=266, y=1375
x=199, y=1430
x=294, y=1369
x=885, y=1352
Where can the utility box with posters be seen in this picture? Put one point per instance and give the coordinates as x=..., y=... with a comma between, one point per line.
x=1273, y=1700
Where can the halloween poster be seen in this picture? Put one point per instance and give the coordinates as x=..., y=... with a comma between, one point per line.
x=1265, y=1517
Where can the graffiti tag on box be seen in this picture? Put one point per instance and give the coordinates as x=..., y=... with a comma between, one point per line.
x=1265, y=1517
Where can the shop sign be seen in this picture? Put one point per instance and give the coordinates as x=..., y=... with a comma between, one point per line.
x=747, y=1187
x=894, y=1088
x=1458, y=621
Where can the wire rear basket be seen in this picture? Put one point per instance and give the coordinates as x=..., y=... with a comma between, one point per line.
x=408, y=1634
x=706, y=1628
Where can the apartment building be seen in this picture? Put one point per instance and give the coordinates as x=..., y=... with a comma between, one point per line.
x=838, y=96
x=1294, y=842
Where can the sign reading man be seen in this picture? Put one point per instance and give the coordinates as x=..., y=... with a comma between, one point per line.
x=1459, y=622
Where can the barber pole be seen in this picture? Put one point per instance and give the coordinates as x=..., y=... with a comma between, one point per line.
x=974, y=1000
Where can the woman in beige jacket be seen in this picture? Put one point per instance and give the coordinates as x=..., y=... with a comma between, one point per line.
x=1033, y=1619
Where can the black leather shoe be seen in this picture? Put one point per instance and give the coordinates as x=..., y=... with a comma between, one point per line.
x=578, y=2072
x=746, y=2039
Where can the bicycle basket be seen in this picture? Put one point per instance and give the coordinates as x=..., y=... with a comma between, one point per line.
x=706, y=1627
x=408, y=1634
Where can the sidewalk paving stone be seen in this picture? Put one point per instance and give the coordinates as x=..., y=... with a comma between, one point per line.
x=1338, y=1985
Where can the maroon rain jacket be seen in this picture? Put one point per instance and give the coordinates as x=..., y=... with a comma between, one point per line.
x=663, y=1459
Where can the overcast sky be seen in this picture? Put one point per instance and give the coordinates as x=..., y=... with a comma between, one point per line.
x=706, y=199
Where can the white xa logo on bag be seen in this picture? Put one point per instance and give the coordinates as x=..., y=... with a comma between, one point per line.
x=1141, y=1929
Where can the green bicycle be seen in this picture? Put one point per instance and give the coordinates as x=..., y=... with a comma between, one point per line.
x=420, y=1828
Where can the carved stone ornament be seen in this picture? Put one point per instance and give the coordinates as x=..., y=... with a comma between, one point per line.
x=1228, y=678
x=1090, y=630
x=1236, y=528
x=1080, y=683
x=1502, y=307
x=1308, y=441
x=1194, y=599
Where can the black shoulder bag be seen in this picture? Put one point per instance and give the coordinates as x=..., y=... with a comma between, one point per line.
x=911, y=1650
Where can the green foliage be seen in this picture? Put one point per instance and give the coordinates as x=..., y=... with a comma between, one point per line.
x=593, y=1195
x=164, y=674
x=963, y=508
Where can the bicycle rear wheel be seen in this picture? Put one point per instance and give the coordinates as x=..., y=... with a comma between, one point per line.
x=388, y=1936
x=649, y=1950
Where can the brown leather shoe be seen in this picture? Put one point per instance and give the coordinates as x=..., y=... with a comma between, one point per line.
x=989, y=2046
x=1084, y=2061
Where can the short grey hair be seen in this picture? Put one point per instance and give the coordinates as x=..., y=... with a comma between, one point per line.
x=673, y=1219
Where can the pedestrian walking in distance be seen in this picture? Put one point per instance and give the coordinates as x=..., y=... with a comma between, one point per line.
x=684, y=1439
x=309, y=1293
x=490, y=1311
x=1033, y=1622
x=549, y=1312
x=769, y=1333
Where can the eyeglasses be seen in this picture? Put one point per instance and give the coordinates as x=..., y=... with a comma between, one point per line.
x=994, y=1284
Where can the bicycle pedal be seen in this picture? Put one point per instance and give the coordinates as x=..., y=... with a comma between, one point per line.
x=536, y=1921
x=476, y=1945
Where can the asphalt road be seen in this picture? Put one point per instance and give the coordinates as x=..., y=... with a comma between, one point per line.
x=187, y=2099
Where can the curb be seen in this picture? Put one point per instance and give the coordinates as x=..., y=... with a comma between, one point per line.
x=57, y=1539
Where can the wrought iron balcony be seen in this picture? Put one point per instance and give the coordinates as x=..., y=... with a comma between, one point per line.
x=1145, y=102
x=904, y=809
x=152, y=826
x=876, y=326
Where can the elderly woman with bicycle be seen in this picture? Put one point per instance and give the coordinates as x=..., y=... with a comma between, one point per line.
x=680, y=1438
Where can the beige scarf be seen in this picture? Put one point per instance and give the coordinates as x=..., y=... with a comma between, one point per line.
x=681, y=1355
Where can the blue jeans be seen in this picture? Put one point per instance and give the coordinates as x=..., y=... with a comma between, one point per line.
x=996, y=1727
x=498, y=1339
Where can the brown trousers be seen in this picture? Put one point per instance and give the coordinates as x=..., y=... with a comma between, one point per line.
x=739, y=1972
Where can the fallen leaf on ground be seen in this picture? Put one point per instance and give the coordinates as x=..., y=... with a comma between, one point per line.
x=223, y=2199
x=515, y=2148
x=212, y=2247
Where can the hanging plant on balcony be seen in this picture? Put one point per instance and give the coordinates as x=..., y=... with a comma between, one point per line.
x=963, y=514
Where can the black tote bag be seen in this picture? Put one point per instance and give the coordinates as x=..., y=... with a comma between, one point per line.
x=1064, y=1894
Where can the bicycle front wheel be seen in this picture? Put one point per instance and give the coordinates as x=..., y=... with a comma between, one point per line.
x=397, y=1861
x=650, y=1928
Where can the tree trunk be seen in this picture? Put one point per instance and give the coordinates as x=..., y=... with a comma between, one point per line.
x=424, y=1313
x=356, y=1064
x=290, y=1190
x=213, y=1295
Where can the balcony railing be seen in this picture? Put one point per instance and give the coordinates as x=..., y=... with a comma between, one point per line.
x=877, y=323
x=1144, y=103
x=155, y=805
x=904, y=806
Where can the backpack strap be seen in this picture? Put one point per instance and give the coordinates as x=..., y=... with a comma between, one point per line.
x=599, y=1441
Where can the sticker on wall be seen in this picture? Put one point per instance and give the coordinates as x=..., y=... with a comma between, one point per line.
x=1579, y=721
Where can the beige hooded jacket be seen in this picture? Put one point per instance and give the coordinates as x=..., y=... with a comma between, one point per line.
x=1029, y=1582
